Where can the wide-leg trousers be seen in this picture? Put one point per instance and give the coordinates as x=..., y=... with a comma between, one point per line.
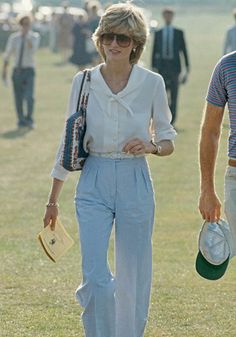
x=115, y=191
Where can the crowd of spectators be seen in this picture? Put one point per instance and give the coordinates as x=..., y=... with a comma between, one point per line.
x=64, y=29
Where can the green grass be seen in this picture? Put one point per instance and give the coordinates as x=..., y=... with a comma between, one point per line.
x=37, y=296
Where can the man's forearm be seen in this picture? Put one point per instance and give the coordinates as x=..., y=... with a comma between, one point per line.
x=4, y=71
x=209, y=203
x=208, y=154
x=5, y=66
x=208, y=148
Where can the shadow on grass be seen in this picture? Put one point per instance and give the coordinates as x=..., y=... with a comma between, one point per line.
x=59, y=64
x=16, y=133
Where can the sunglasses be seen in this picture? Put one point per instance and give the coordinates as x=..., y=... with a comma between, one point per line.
x=122, y=40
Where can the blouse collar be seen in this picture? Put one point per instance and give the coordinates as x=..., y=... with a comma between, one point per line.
x=99, y=84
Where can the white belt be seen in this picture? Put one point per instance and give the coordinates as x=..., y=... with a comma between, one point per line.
x=115, y=155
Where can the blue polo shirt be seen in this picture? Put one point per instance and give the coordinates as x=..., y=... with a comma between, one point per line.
x=222, y=90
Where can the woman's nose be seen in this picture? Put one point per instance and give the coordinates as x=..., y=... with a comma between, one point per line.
x=114, y=41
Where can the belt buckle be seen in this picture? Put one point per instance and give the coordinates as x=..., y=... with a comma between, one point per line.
x=232, y=162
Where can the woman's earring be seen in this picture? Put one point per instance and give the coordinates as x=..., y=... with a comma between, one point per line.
x=134, y=50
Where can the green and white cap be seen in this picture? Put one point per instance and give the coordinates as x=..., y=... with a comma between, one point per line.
x=215, y=249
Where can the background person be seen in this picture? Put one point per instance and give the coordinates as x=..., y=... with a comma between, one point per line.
x=65, y=24
x=81, y=33
x=230, y=38
x=53, y=33
x=168, y=49
x=94, y=15
x=23, y=44
x=125, y=102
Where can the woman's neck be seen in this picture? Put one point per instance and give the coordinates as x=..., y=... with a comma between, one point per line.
x=116, y=71
x=116, y=76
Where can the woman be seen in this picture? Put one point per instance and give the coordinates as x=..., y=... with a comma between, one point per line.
x=65, y=24
x=94, y=11
x=127, y=107
x=80, y=32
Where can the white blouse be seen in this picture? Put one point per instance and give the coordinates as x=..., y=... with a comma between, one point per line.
x=140, y=110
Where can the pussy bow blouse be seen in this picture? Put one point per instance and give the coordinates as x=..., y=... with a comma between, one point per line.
x=140, y=110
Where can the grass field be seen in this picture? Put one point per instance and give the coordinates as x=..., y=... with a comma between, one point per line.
x=37, y=296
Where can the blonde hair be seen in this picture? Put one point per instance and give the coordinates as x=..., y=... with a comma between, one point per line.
x=123, y=18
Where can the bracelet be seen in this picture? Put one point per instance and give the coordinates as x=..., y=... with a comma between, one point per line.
x=158, y=148
x=52, y=204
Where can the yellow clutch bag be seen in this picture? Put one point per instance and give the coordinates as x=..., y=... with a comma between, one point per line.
x=55, y=242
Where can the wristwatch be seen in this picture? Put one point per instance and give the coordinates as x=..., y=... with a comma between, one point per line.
x=158, y=148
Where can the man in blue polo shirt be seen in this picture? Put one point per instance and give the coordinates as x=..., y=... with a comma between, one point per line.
x=222, y=90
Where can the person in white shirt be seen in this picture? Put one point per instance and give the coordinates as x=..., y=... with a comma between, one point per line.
x=230, y=38
x=127, y=118
x=23, y=44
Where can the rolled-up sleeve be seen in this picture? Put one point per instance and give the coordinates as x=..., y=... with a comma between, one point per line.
x=161, y=115
x=58, y=171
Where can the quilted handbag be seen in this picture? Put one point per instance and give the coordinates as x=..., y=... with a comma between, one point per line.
x=74, y=154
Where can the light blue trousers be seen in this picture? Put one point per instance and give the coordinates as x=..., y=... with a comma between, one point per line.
x=115, y=191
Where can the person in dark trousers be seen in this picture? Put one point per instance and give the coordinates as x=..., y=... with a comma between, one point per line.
x=169, y=49
x=23, y=44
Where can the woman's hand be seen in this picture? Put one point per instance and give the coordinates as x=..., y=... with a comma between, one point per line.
x=51, y=212
x=50, y=216
x=138, y=146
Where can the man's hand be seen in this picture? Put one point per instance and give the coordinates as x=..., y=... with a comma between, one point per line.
x=210, y=206
x=183, y=78
x=29, y=43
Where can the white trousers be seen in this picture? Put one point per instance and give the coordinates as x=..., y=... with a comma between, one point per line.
x=115, y=191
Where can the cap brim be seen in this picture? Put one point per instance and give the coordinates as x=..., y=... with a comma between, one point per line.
x=210, y=271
